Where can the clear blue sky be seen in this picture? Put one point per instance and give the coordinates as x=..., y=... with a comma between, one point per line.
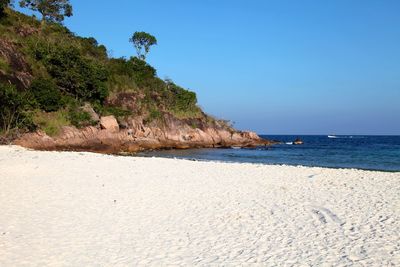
x=276, y=67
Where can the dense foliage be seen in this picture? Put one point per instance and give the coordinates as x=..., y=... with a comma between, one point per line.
x=69, y=71
x=79, y=76
x=47, y=95
x=15, y=108
x=80, y=118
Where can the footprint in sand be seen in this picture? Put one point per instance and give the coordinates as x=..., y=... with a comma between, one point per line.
x=322, y=213
x=320, y=216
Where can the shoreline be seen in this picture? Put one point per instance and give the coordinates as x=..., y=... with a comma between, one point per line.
x=134, y=155
x=84, y=208
x=259, y=163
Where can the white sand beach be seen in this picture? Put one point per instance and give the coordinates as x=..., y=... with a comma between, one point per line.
x=85, y=209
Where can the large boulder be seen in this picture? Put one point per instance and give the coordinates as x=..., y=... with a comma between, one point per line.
x=109, y=123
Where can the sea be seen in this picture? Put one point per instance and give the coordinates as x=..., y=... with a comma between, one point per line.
x=336, y=151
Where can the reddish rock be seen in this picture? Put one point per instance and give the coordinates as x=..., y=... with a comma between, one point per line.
x=110, y=140
x=109, y=123
x=138, y=135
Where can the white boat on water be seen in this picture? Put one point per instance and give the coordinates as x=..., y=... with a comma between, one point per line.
x=332, y=136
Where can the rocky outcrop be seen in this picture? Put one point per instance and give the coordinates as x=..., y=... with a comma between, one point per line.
x=138, y=136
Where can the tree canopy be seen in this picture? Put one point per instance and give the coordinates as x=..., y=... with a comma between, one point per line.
x=51, y=10
x=142, y=41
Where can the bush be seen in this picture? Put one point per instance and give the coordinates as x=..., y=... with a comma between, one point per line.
x=15, y=111
x=79, y=76
x=142, y=72
x=80, y=118
x=91, y=47
x=185, y=100
x=119, y=66
x=116, y=112
x=154, y=115
x=136, y=69
x=121, y=83
x=51, y=123
x=182, y=100
x=56, y=28
x=47, y=94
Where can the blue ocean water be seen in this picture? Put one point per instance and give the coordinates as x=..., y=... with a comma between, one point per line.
x=361, y=152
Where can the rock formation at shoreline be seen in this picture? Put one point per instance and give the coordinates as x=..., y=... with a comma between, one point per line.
x=108, y=137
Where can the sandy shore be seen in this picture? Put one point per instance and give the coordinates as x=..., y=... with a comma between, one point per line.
x=84, y=209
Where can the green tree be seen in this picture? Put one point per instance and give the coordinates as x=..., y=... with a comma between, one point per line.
x=73, y=73
x=15, y=108
x=47, y=95
x=51, y=10
x=142, y=41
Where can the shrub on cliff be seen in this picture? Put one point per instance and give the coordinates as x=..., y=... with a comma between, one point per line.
x=182, y=103
x=81, y=77
x=153, y=115
x=47, y=94
x=80, y=118
x=184, y=99
x=51, y=122
x=141, y=72
x=117, y=112
x=91, y=47
x=16, y=108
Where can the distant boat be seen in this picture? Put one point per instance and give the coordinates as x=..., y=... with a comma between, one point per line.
x=298, y=141
x=332, y=136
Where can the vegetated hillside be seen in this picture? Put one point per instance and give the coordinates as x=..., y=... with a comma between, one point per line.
x=49, y=74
